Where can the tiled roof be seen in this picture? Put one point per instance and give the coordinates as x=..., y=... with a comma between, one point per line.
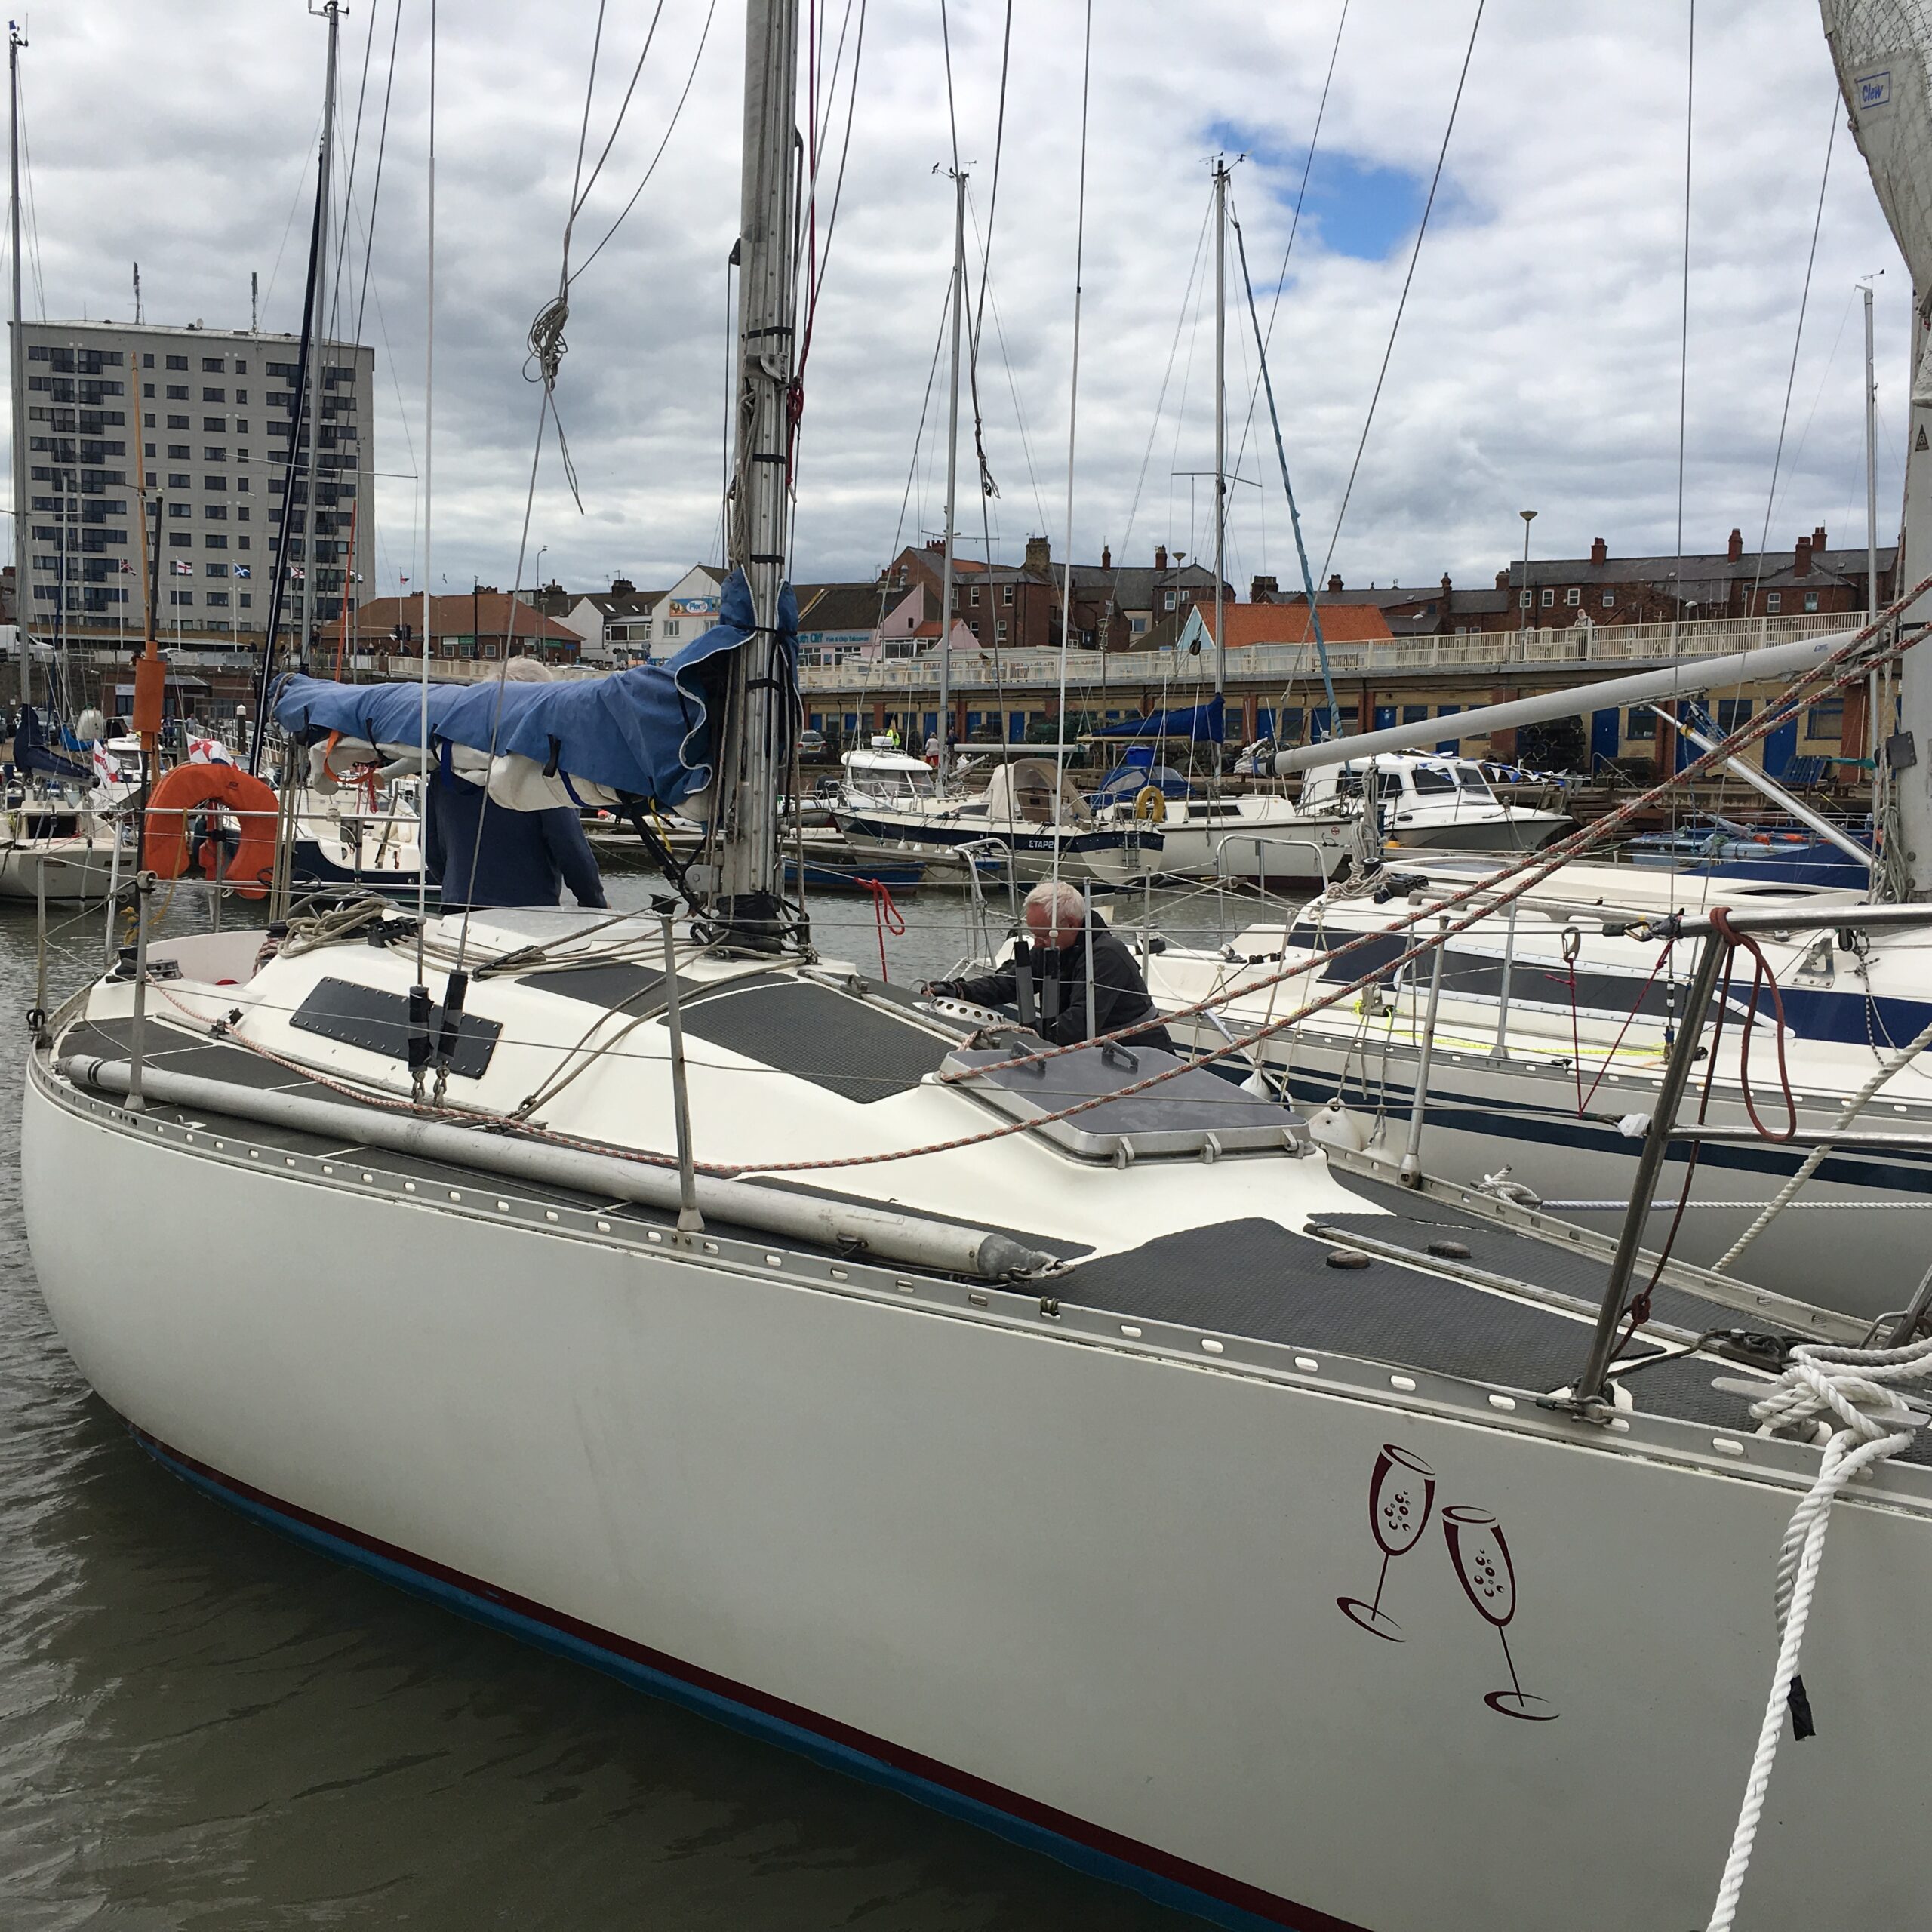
x=1288, y=623
x=490, y=614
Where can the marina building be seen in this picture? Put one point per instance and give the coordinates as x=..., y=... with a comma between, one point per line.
x=207, y=416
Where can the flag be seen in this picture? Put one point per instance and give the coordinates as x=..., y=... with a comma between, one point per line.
x=241, y=570
x=127, y=568
x=209, y=751
x=297, y=574
x=106, y=768
x=182, y=569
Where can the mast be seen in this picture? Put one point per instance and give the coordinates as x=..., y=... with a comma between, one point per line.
x=1220, y=426
x=331, y=11
x=747, y=892
x=1875, y=727
x=17, y=363
x=951, y=476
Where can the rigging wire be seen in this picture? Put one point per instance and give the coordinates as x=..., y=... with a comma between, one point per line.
x=1073, y=428
x=1797, y=342
x=375, y=190
x=670, y=128
x=1415, y=255
x=988, y=487
x=1684, y=326
x=1294, y=226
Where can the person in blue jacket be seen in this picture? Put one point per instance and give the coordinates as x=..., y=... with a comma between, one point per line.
x=484, y=854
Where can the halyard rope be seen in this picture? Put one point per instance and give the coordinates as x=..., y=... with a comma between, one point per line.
x=1856, y=1388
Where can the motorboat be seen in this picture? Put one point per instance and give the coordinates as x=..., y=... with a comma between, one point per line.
x=1030, y=809
x=1432, y=804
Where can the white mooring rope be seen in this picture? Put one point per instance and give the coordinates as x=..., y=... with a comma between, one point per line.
x=1857, y=1388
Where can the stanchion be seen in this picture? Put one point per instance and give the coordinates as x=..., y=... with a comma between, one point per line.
x=690, y=1221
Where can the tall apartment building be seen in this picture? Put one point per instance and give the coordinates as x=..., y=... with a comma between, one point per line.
x=207, y=414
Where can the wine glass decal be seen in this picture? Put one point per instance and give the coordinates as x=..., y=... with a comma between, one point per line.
x=1481, y=1558
x=1400, y=1494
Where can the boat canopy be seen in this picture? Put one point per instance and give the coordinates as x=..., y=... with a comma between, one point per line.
x=1193, y=722
x=646, y=733
x=1025, y=792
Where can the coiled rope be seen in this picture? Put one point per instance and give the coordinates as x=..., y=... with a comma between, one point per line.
x=1856, y=1388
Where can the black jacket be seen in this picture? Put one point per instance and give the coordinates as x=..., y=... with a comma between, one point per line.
x=526, y=857
x=1059, y=984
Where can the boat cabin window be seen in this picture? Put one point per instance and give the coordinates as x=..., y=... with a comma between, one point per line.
x=1473, y=783
x=1430, y=782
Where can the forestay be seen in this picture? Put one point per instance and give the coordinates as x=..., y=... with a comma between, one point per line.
x=647, y=733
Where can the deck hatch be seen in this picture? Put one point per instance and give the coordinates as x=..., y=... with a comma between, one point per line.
x=816, y=1033
x=377, y=1021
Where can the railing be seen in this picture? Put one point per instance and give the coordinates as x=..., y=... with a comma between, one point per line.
x=1578, y=645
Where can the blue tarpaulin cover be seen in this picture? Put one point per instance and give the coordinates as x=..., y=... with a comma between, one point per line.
x=646, y=731
x=1196, y=722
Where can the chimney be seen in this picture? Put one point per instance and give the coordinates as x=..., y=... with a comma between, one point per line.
x=1802, y=562
x=1263, y=590
x=1160, y=556
x=1599, y=551
x=1106, y=558
x=1335, y=582
x=1039, y=555
x=622, y=586
x=1502, y=579
x=1818, y=543
x=1736, y=552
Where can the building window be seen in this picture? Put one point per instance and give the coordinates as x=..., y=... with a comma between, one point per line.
x=215, y=512
x=999, y=632
x=1810, y=600
x=147, y=392
x=177, y=422
x=1549, y=598
x=1774, y=601
x=147, y=362
x=213, y=453
x=244, y=599
x=1639, y=722
x=1609, y=600
x=180, y=597
x=1523, y=597
x=1137, y=625
x=1826, y=720
x=147, y=449
x=177, y=361
x=975, y=597
x=1167, y=600
x=241, y=366
x=214, y=395
x=177, y=391
x=216, y=541
x=1733, y=712
x=180, y=540
x=1573, y=597
x=214, y=366
x=219, y=599
x=214, y=482
x=241, y=426
x=177, y=482
x=214, y=570
x=671, y=626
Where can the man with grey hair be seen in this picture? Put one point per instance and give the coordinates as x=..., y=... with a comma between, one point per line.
x=1058, y=923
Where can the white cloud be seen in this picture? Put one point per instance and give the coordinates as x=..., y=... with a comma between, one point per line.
x=1537, y=364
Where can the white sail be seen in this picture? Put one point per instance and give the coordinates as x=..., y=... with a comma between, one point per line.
x=1883, y=52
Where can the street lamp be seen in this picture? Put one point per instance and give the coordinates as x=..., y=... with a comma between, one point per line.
x=1529, y=517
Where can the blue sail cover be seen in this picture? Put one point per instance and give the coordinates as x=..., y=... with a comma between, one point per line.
x=646, y=731
x=1196, y=722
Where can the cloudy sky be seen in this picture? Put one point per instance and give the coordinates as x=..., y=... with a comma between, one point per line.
x=1537, y=365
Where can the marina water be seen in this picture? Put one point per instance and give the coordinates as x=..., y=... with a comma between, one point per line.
x=203, y=1726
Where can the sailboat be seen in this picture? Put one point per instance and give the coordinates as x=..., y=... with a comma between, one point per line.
x=1061, y=1439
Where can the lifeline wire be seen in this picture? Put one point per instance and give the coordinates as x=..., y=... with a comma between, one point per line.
x=428, y=472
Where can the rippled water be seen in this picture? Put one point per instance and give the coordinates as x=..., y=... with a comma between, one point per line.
x=202, y=1725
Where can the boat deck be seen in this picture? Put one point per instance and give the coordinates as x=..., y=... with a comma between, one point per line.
x=1252, y=1279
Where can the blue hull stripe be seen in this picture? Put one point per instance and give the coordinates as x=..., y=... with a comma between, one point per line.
x=1167, y=1880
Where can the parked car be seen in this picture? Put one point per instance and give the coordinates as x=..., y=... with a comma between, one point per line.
x=812, y=745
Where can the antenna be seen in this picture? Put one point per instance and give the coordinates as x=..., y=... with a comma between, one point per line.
x=137, y=294
x=254, y=303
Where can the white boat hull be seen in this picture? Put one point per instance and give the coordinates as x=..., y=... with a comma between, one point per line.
x=1093, y=1583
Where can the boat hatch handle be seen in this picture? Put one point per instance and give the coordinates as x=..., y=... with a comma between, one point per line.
x=878, y=1233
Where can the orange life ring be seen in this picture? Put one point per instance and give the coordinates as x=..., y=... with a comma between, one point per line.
x=250, y=799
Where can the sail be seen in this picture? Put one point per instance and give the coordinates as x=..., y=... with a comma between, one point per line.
x=1197, y=721
x=1883, y=51
x=645, y=733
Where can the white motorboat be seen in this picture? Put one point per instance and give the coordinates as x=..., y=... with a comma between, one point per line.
x=1435, y=804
